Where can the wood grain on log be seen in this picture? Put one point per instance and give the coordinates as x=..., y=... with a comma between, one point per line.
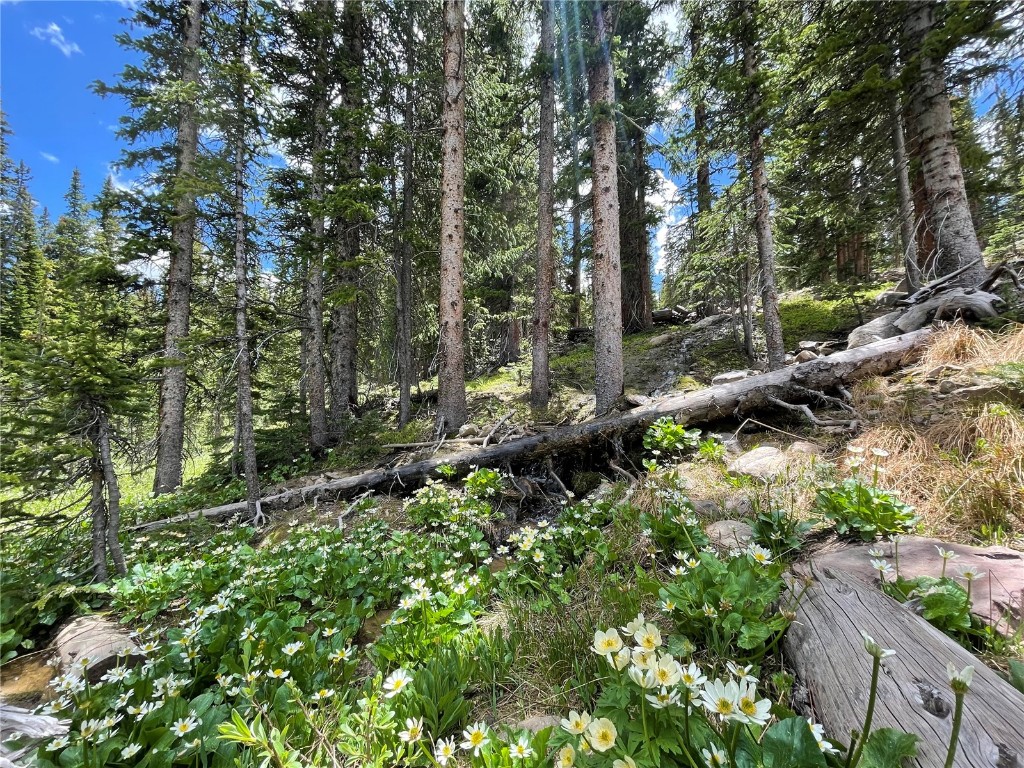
x=689, y=408
x=825, y=648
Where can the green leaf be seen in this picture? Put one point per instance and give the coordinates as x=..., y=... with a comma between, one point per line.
x=753, y=635
x=888, y=748
x=791, y=743
x=1017, y=674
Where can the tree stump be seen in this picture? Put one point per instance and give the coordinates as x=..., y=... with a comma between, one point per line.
x=825, y=648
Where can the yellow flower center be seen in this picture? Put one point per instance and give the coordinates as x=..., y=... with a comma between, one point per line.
x=747, y=706
x=725, y=706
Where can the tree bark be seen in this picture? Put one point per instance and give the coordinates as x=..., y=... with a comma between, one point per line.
x=724, y=401
x=901, y=167
x=170, y=441
x=636, y=267
x=345, y=312
x=762, y=201
x=243, y=416
x=99, y=521
x=542, y=300
x=403, y=266
x=947, y=212
x=607, y=279
x=112, y=526
x=451, y=407
x=316, y=374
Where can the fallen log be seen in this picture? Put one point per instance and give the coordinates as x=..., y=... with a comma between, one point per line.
x=689, y=408
x=825, y=649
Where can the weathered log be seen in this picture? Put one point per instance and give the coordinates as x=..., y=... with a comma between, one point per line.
x=997, y=596
x=21, y=733
x=100, y=642
x=947, y=305
x=880, y=328
x=690, y=408
x=825, y=649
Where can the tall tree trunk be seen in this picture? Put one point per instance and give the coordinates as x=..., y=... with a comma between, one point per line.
x=98, y=508
x=636, y=268
x=700, y=128
x=113, y=506
x=451, y=380
x=607, y=280
x=576, y=274
x=901, y=168
x=576, y=267
x=542, y=299
x=243, y=419
x=762, y=201
x=316, y=375
x=345, y=312
x=930, y=118
x=170, y=440
x=403, y=266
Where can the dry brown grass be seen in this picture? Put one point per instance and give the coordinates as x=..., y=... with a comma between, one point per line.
x=959, y=344
x=964, y=468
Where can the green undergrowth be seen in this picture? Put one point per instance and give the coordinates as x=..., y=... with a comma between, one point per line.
x=411, y=641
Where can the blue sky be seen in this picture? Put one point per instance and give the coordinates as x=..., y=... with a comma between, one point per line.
x=50, y=52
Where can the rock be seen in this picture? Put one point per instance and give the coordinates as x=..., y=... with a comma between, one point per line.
x=805, y=447
x=727, y=534
x=889, y=298
x=657, y=341
x=98, y=640
x=635, y=400
x=709, y=321
x=497, y=565
x=946, y=386
x=805, y=356
x=739, y=505
x=880, y=328
x=728, y=439
x=538, y=723
x=469, y=430
x=996, y=594
x=730, y=376
x=705, y=507
x=811, y=345
x=789, y=359
x=764, y=463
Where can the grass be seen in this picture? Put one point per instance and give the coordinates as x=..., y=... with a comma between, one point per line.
x=962, y=467
x=806, y=318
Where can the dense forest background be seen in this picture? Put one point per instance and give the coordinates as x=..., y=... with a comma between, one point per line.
x=344, y=206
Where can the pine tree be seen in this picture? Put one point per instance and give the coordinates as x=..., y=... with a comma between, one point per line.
x=759, y=180
x=24, y=262
x=539, y=381
x=451, y=408
x=67, y=387
x=167, y=98
x=607, y=271
x=947, y=213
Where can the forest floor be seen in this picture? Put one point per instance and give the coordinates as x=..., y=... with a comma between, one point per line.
x=335, y=634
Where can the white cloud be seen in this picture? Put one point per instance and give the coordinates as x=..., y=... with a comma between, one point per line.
x=52, y=34
x=49, y=158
